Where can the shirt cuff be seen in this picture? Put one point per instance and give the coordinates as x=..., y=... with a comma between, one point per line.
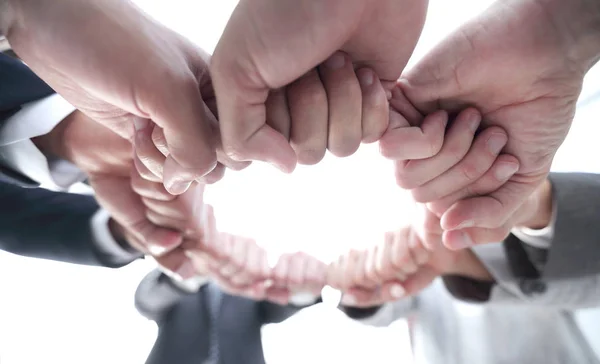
x=106, y=243
x=20, y=154
x=538, y=238
x=302, y=299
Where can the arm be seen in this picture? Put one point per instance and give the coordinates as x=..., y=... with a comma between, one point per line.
x=59, y=226
x=157, y=293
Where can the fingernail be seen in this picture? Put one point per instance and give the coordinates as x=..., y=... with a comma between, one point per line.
x=336, y=61
x=139, y=123
x=348, y=300
x=475, y=121
x=397, y=291
x=505, y=171
x=463, y=241
x=186, y=270
x=177, y=188
x=366, y=78
x=465, y=224
x=496, y=143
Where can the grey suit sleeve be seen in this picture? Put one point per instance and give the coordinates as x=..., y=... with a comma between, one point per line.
x=575, y=249
x=156, y=294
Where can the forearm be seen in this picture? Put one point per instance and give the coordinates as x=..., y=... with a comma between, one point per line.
x=6, y=16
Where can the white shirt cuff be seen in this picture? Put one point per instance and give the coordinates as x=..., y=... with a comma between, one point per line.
x=105, y=242
x=20, y=154
x=538, y=238
x=302, y=299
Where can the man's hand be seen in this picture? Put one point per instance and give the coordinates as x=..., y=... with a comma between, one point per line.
x=521, y=63
x=297, y=273
x=121, y=68
x=106, y=158
x=269, y=44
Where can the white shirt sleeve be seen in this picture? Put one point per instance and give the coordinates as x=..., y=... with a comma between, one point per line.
x=538, y=238
x=19, y=153
x=105, y=242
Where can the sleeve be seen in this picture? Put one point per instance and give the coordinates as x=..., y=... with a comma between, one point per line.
x=117, y=252
x=19, y=153
x=157, y=293
x=50, y=225
x=272, y=313
x=381, y=316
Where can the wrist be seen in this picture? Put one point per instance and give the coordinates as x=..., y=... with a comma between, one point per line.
x=542, y=216
x=118, y=234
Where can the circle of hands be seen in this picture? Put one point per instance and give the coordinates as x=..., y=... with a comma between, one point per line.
x=286, y=84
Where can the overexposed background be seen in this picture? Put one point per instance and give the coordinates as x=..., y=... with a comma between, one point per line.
x=59, y=313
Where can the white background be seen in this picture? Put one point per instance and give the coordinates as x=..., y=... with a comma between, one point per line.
x=59, y=313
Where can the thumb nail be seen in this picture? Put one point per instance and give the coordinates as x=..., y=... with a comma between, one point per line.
x=177, y=188
x=397, y=291
x=139, y=123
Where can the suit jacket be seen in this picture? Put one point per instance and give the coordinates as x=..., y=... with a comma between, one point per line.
x=50, y=225
x=184, y=322
x=18, y=86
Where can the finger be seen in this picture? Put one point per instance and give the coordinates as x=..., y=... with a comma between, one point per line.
x=144, y=147
x=359, y=274
x=316, y=274
x=401, y=259
x=344, y=96
x=159, y=140
x=307, y=101
x=418, y=251
x=126, y=207
x=411, y=286
x=239, y=250
x=279, y=295
x=349, y=268
x=375, y=107
x=167, y=222
x=180, y=111
x=334, y=272
x=456, y=144
x=144, y=172
x=383, y=266
x=213, y=176
x=281, y=270
x=178, y=263
x=502, y=170
x=278, y=113
x=371, y=278
x=465, y=238
x=170, y=209
x=493, y=210
x=478, y=160
x=296, y=270
x=253, y=263
x=149, y=189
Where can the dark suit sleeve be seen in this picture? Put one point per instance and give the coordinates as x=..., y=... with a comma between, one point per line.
x=50, y=225
x=272, y=313
x=18, y=86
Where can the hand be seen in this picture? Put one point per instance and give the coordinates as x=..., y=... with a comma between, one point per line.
x=406, y=263
x=84, y=142
x=522, y=64
x=270, y=44
x=296, y=273
x=122, y=68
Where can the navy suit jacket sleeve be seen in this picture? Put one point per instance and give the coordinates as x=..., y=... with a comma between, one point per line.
x=18, y=86
x=50, y=225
